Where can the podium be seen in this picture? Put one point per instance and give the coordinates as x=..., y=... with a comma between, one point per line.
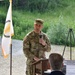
x=40, y=66
x=43, y=65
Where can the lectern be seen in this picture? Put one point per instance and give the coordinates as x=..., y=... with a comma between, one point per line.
x=40, y=66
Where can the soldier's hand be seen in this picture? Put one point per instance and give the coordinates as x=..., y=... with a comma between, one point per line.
x=41, y=41
x=36, y=59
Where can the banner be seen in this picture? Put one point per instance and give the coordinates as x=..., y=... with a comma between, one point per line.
x=8, y=32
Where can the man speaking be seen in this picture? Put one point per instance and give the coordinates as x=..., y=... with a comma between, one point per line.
x=35, y=44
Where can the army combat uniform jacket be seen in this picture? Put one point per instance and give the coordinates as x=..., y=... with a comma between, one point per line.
x=32, y=48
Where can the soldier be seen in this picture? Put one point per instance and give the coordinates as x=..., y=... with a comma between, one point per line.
x=35, y=44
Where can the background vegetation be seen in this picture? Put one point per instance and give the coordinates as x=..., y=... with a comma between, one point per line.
x=58, y=16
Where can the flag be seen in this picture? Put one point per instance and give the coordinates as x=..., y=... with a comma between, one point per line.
x=8, y=33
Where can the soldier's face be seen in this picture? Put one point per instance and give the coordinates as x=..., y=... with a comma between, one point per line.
x=38, y=27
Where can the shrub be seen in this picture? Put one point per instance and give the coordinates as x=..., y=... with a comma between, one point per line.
x=2, y=22
x=60, y=34
x=57, y=33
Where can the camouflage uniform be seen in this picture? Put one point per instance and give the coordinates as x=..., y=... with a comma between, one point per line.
x=32, y=48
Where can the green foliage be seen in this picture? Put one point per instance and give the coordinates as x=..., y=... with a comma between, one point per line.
x=4, y=3
x=39, y=5
x=53, y=4
x=22, y=30
x=1, y=29
x=2, y=22
x=21, y=25
x=57, y=33
x=2, y=18
x=55, y=26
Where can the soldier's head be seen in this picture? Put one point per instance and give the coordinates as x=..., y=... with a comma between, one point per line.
x=56, y=61
x=38, y=25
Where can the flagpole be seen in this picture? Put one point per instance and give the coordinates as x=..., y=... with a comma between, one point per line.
x=10, y=59
x=11, y=41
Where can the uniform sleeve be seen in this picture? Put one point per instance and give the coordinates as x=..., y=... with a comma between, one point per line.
x=47, y=47
x=26, y=48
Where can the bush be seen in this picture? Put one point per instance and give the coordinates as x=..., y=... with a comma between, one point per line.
x=21, y=31
x=57, y=33
x=2, y=18
x=60, y=34
x=1, y=29
x=2, y=22
x=39, y=5
x=21, y=25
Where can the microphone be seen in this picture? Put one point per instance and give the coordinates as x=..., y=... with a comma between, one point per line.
x=40, y=36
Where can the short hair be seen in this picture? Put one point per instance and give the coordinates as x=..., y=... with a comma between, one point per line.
x=56, y=61
x=39, y=21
